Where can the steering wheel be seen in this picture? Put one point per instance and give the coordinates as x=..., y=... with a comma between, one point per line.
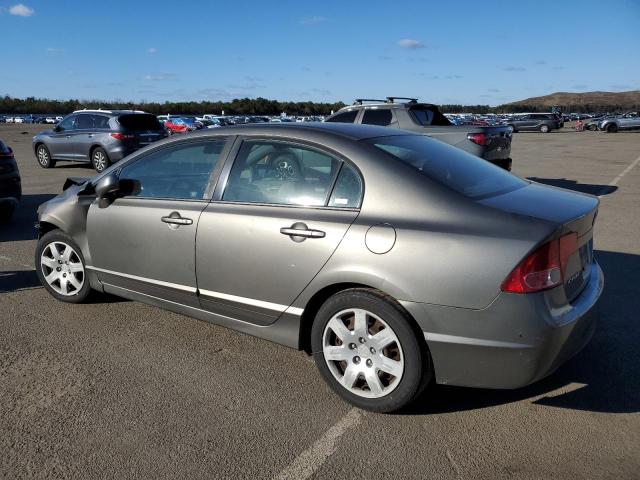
x=285, y=166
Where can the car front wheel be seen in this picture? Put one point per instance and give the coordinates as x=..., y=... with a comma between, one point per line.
x=544, y=128
x=61, y=268
x=44, y=157
x=99, y=159
x=368, y=352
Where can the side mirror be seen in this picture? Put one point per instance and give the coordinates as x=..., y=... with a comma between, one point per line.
x=106, y=189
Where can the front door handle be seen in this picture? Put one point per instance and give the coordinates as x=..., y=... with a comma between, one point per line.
x=299, y=232
x=68, y=136
x=174, y=220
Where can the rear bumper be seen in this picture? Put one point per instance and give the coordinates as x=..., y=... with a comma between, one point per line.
x=516, y=341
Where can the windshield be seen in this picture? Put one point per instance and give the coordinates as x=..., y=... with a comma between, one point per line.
x=454, y=168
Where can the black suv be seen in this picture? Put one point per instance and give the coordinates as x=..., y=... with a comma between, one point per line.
x=536, y=122
x=10, y=186
x=493, y=143
x=99, y=137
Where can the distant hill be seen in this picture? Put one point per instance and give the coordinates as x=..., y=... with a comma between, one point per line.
x=579, y=102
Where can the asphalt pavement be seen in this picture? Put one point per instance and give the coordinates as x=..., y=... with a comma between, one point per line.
x=118, y=389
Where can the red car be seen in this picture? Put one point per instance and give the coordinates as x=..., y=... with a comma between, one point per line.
x=176, y=125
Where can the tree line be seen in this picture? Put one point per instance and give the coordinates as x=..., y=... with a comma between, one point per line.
x=257, y=106
x=239, y=106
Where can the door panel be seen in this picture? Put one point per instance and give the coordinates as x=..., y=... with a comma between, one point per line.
x=133, y=247
x=247, y=269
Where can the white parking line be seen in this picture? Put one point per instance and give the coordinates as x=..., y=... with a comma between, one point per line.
x=309, y=461
x=615, y=181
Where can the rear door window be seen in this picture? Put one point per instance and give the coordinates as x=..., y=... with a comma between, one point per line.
x=347, y=192
x=377, y=116
x=139, y=122
x=100, y=121
x=346, y=117
x=281, y=174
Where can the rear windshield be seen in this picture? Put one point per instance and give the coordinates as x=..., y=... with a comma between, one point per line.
x=454, y=168
x=139, y=121
x=429, y=116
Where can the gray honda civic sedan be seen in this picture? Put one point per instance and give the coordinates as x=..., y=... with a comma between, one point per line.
x=394, y=259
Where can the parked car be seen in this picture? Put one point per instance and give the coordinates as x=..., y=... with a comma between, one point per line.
x=176, y=125
x=493, y=143
x=630, y=121
x=535, y=122
x=395, y=259
x=99, y=137
x=10, y=183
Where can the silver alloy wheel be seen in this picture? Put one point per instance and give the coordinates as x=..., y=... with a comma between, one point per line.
x=43, y=156
x=363, y=353
x=99, y=160
x=62, y=268
x=544, y=129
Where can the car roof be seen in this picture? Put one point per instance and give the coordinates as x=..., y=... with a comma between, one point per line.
x=345, y=130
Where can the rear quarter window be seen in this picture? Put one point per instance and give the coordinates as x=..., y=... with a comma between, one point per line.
x=456, y=169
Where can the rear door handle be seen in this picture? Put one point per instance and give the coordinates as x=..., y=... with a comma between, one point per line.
x=175, y=220
x=301, y=231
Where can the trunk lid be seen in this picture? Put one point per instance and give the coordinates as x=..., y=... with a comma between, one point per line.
x=569, y=212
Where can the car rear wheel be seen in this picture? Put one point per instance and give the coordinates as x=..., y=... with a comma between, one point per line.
x=513, y=129
x=61, y=268
x=367, y=351
x=99, y=159
x=44, y=157
x=611, y=128
x=544, y=128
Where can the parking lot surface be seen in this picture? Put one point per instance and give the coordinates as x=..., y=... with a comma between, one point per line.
x=118, y=389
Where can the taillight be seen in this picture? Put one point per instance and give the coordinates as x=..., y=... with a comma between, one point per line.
x=122, y=136
x=478, y=138
x=543, y=269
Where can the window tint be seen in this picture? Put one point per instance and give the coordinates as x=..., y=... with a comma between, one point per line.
x=68, y=123
x=346, y=117
x=139, y=122
x=425, y=115
x=450, y=166
x=348, y=189
x=84, y=121
x=179, y=172
x=100, y=121
x=377, y=116
x=280, y=173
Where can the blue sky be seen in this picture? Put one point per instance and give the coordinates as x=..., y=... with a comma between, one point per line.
x=469, y=52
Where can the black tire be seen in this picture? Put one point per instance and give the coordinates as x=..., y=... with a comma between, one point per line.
x=74, y=295
x=611, y=128
x=100, y=159
x=418, y=371
x=513, y=129
x=44, y=157
x=544, y=128
x=592, y=128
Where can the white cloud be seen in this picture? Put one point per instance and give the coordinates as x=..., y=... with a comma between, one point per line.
x=410, y=43
x=21, y=10
x=152, y=50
